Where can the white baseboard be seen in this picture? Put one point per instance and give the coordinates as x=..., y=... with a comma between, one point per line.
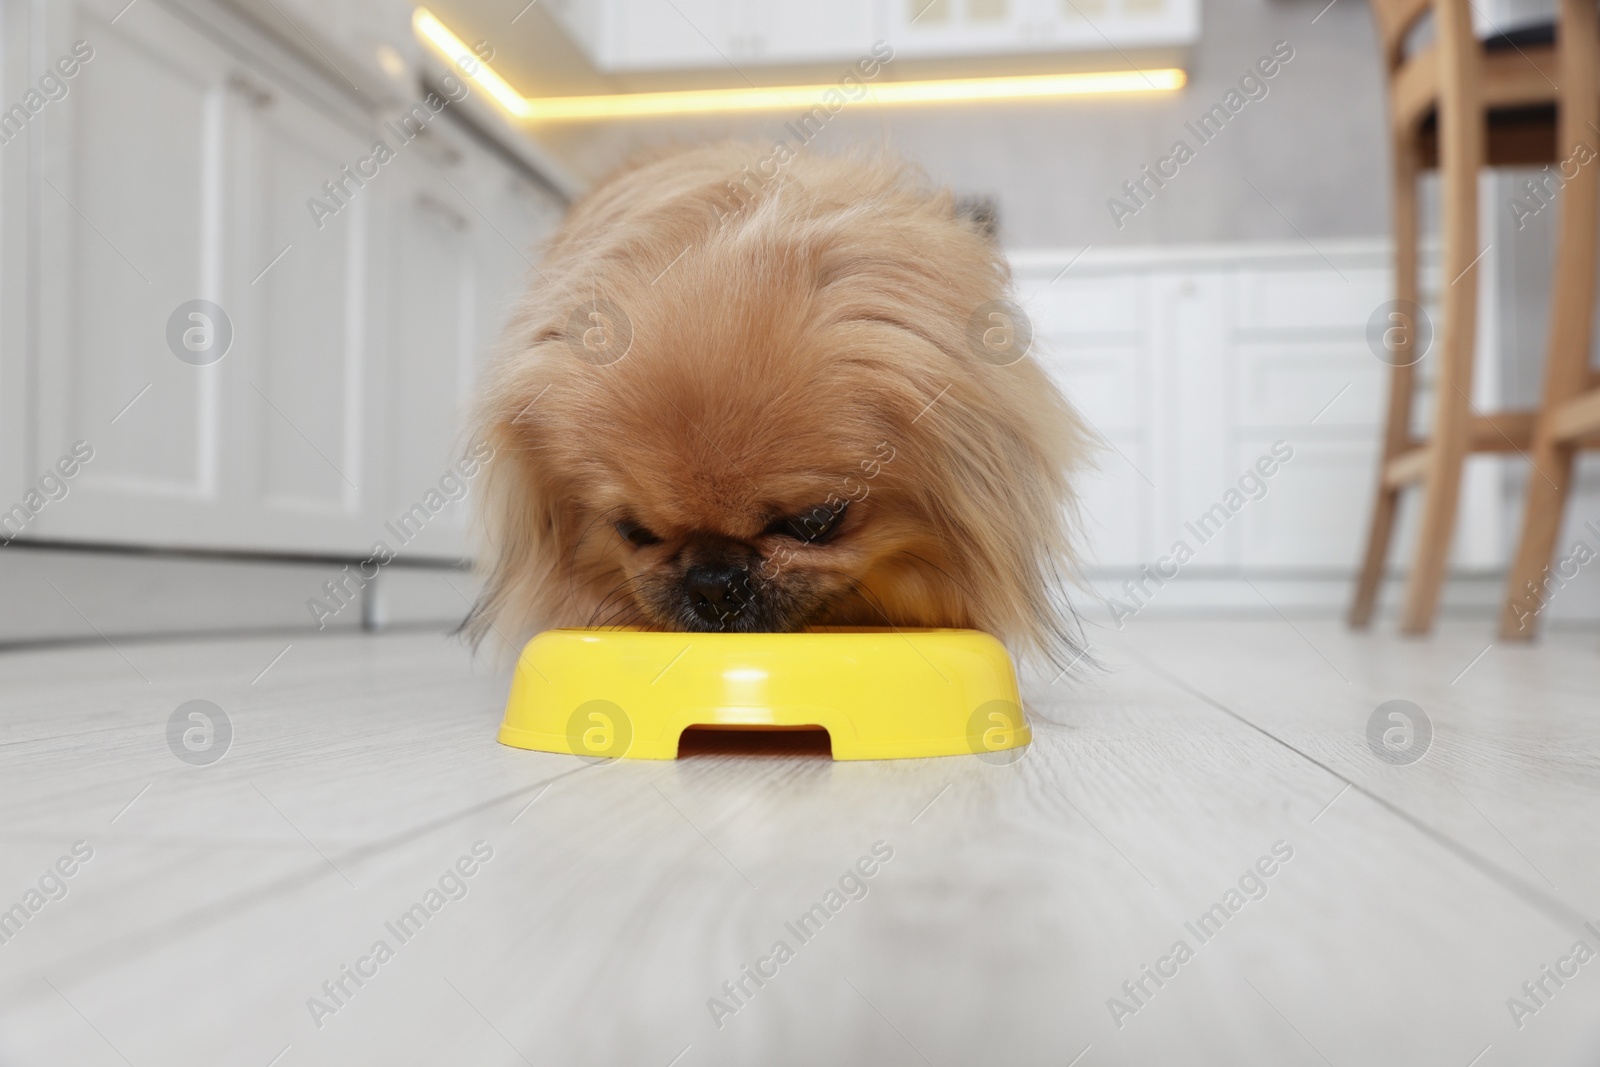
x=1316, y=596
x=417, y=597
x=56, y=594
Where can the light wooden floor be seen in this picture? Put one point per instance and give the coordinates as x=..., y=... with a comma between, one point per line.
x=620, y=897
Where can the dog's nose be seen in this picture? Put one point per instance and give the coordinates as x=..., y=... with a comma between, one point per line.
x=715, y=591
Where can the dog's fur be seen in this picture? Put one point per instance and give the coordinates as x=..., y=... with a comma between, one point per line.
x=794, y=343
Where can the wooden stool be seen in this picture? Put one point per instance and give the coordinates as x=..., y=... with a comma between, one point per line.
x=1461, y=104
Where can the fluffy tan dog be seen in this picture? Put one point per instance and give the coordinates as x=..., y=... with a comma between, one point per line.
x=749, y=397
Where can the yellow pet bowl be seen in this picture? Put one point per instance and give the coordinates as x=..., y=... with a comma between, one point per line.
x=880, y=694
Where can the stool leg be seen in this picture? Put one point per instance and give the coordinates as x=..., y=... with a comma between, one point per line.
x=1566, y=372
x=1461, y=157
x=1402, y=380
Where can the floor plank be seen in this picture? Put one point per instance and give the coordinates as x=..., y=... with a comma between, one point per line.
x=1514, y=762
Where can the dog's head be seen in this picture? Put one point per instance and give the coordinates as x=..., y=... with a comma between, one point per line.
x=761, y=414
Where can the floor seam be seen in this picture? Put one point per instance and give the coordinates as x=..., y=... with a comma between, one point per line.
x=1550, y=907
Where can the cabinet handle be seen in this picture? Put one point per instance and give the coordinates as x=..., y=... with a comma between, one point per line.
x=439, y=148
x=258, y=95
x=429, y=202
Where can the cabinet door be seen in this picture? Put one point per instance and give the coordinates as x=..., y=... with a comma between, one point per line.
x=650, y=35
x=1092, y=335
x=463, y=241
x=804, y=33
x=132, y=163
x=16, y=281
x=522, y=215
x=922, y=28
x=171, y=174
x=298, y=438
x=431, y=354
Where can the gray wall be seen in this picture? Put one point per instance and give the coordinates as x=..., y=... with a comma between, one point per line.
x=1312, y=146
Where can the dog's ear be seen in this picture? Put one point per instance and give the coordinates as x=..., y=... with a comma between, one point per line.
x=981, y=212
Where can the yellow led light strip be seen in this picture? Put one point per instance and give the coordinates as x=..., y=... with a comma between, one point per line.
x=455, y=51
x=703, y=101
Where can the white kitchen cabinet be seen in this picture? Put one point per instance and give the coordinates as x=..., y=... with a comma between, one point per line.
x=435, y=277
x=1191, y=364
x=933, y=28
x=17, y=278
x=462, y=237
x=130, y=208
x=175, y=174
x=802, y=33
x=652, y=35
x=624, y=36
x=299, y=453
x=175, y=171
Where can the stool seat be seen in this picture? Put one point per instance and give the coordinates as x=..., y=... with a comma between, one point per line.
x=1519, y=135
x=1540, y=33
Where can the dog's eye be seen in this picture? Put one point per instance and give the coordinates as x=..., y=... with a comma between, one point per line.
x=635, y=534
x=812, y=525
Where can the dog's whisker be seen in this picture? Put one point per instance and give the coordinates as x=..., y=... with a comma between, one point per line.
x=619, y=590
x=626, y=607
x=626, y=614
x=616, y=611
